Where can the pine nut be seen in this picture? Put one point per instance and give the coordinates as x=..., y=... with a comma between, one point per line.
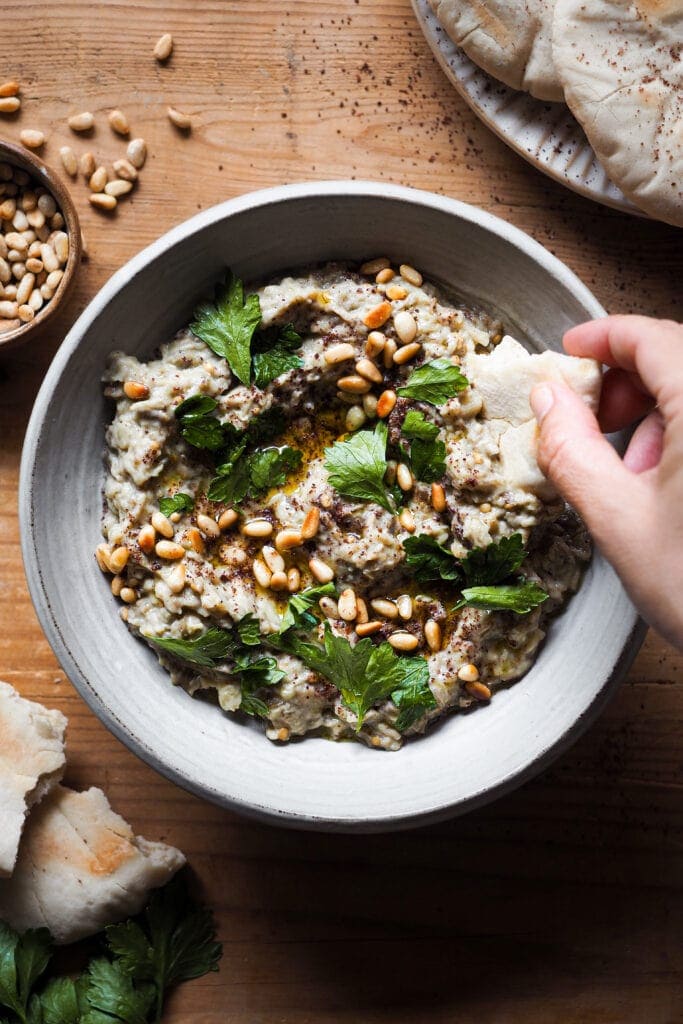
x=366, y=368
x=195, y=540
x=271, y=557
x=433, y=634
x=355, y=418
x=118, y=122
x=117, y=585
x=361, y=610
x=348, y=608
x=368, y=628
x=407, y=520
x=8, y=208
x=118, y=187
x=404, y=477
x=118, y=559
x=485, y=507
x=128, y=595
x=87, y=164
x=227, y=519
x=405, y=606
x=480, y=691
x=406, y=353
x=410, y=274
x=395, y=292
x=182, y=121
x=136, y=153
x=163, y=47
x=9, y=104
x=20, y=221
x=8, y=310
x=54, y=278
x=378, y=315
x=146, y=538
x=46, y=292
x=389, y=353
x=278, y=581
x=385, y=275
x=101, y=201
x=323, y=572
x=438, y=498
x=329, y=607
x=125, y=170
x=47, y=204
x=25, y=288
x=98, y=179
x=5, y=272
x=49, y=258
x=383, y=607
x=257, y=528
x=176, y=579
x=29, y=200
x=375, y=343
x=208, y=526
x=83, y=122
x=102, y=554
x=468, y=673
x=311, y=523
x=354, y=385
x=390, y=472
x=16, y=241
x=36, y=300
x=339, y=354
x=287, y=539
x=372, y=267
x=162, y=525
x=405, y=326
x=9, y=88
x=370, y=406
x=293, y=580
x=25, y=314
x=69, y=161
x=401, y=640
x=18, y=270
x=262, y=573
x=136, y=391
x=386, y=403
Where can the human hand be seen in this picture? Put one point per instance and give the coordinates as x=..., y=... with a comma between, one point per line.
x=632, y=506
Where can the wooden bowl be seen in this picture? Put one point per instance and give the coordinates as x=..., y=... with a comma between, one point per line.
x=49, y=179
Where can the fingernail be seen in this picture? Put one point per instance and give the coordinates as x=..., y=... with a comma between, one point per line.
x=541, y=401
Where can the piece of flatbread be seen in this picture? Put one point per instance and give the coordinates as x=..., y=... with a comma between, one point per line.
x=81, y=868
x=504, y=380
x=511, y=39
x=31, y=763
x=621, y=65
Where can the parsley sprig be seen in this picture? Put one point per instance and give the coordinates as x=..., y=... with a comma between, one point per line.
x=486, y=576
x=172, y=941
x=356, y=467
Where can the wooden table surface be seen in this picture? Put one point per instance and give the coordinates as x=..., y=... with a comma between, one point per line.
x=560, y=903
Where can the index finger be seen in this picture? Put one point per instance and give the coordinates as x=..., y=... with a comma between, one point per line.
x=652, y=349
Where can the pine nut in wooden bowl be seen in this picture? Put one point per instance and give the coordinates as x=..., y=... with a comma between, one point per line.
x=40, y=244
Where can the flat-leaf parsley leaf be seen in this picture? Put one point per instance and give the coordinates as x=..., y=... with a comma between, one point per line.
x=178, y=502
x=227, y=325
x=356, y=467
x=427, y=454
x=519, y=597
x=434, y=382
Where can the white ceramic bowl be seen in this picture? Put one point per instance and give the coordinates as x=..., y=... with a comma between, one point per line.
x=463, y=762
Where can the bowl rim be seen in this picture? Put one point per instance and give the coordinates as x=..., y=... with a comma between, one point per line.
x=42, y=173
x=636, y=628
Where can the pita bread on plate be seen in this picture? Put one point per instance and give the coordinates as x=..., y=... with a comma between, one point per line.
x=81, y=868
x=504, y=380
x=511, y=39
x=621, y=65
x=31, y=764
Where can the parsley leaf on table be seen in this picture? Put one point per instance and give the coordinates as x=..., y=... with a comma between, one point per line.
x=356, y=467
x=60, y=1002
x=414, y=696
x=178, y=502
x=434, y=382
x=110, y=990
x=427, y=454
x=428, y=560
x=228, y=325
x=519, y=597
x=272, y=358
x=206, y=650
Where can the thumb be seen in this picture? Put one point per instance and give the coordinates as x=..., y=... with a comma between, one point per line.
x=587, y=471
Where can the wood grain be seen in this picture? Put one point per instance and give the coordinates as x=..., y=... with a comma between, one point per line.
x=560, y=903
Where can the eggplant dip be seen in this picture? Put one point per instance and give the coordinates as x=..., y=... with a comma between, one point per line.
x=323, y=508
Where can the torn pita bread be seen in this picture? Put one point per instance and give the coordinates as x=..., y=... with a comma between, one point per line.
x=511, y=39
x=31, y=763
x=504, y=380
x=81, y=868
x=621, y=64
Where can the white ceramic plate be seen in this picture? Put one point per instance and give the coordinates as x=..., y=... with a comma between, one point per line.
x=545, y=134
x=464, y=761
